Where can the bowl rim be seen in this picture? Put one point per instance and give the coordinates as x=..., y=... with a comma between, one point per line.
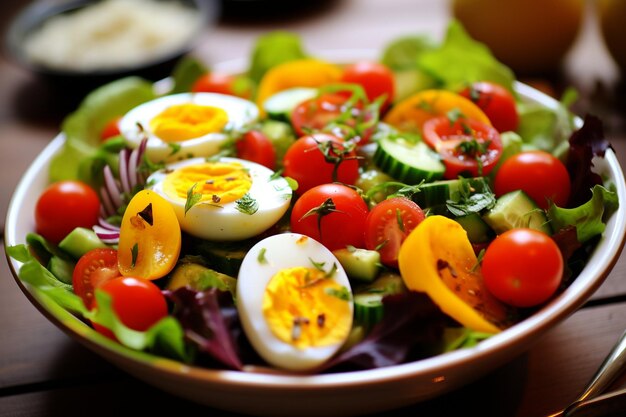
x=33, y=15
x=602, y=260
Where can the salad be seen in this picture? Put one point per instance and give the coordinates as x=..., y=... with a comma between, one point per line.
x=315, y=217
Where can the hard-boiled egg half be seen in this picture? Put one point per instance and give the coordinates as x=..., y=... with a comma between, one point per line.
x=223, y=199
x=294, y=300
x=186, y=125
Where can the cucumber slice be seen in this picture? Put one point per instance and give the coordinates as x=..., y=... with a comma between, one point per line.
x=434, y=195
x=368, y=305
x=281, y=135
x=200, y=278
x=80, y=241
x=409, y=161
x=477, y=230
x=280, y=105
x=224, y=257
x=515, y=210
x=360, y=264
x=368, y=309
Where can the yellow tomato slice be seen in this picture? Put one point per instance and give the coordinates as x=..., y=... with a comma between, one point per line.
x=306, y=72
x=150, y=237
x=410, y=114
x=437, y=258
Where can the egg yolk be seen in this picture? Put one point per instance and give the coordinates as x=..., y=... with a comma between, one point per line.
x=181, y=122
x=306, y=308
x=217, y=182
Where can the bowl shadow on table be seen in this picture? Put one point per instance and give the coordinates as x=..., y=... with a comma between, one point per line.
x=497, y=394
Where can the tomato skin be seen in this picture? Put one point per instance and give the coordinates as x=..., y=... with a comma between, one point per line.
x=315, y=114
x=522, y=267
x=375, y=78
x=342, y=227
x=306, y=163
x=382, y=227
x=256, y=147
x=446, y=138
x=92, y=270
x=137, y=302
x=497, y=102
x=111, y=129
x=539, y=174
x=63, y=206
x=220, y=83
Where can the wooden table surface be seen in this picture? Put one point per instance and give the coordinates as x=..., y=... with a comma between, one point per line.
x=45, y=373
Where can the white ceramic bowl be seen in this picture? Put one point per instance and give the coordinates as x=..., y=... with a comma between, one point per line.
x=343, y=394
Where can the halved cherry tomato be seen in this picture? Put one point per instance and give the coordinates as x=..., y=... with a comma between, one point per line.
x=213, y=82
x=523, y=267
x=150, y=237
x=92, y=270
x=63, y=206
x=375, y=78
x=497, y=102
x=318, y=159
x=111, y=129
x=332, y=214
x=256, y=147
x=388, y=224
x=315, y=115
x=138, y=303
x=540, y=174
x=466, y=146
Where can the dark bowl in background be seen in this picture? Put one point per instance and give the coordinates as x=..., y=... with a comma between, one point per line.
x=70, y=81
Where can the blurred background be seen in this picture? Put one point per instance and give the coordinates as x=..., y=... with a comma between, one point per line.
x=548, y=44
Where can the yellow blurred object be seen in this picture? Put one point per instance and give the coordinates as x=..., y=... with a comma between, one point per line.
x=411, y=113
x=530, y=36
x=300, y=73
x=612, y=19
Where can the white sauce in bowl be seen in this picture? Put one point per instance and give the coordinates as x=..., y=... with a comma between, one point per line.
x=112, y=34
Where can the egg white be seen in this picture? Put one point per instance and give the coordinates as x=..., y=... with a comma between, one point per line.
x=280, y=252
x=223, y=222
x=135, y=125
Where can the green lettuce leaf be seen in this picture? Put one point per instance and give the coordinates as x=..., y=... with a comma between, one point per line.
x=165, y=338
x=588, y=219
x=185, y=74
x=272, y=49
x=460, y=60
x=82, y=128
x=544, y=128
x=403, y=53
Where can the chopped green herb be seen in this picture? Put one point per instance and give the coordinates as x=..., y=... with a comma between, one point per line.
x=247, y=205
x=454, y=115
x=175, y=147
x=134, y=253
x=320, y=267
x=399, y=219
x=342, y=294
x=193, y=198
x=261, y=257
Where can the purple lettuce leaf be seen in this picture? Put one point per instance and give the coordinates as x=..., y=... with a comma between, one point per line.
x=584, y=144
x=210, y=321
x=411, y=325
